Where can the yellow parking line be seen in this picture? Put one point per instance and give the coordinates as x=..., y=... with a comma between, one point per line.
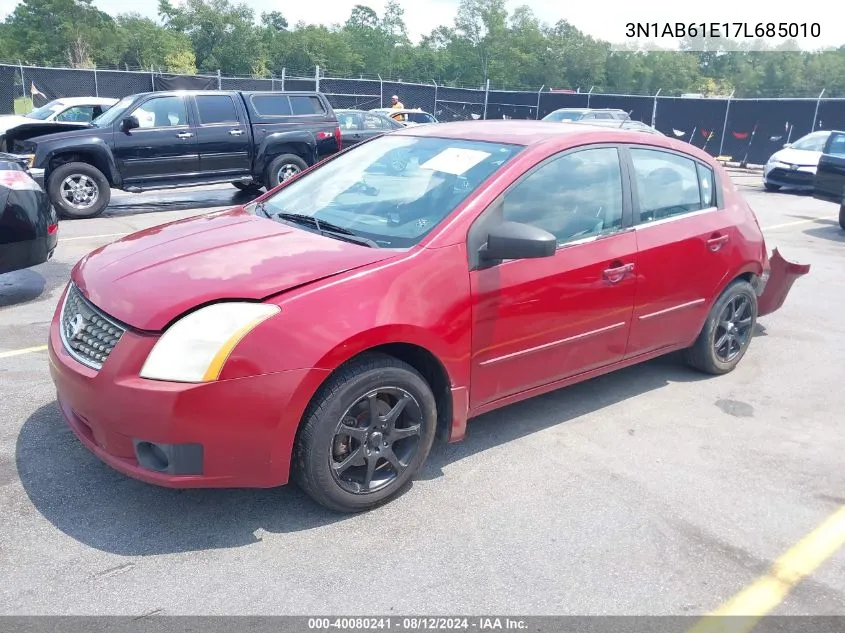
x=91, y=237
x=796, y=223
x=25, y=350
x=768, y=591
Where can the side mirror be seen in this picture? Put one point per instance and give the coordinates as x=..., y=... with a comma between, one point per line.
x=514, y=240
x=129, y=123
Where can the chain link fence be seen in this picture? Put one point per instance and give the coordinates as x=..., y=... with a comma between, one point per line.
x=745, y=130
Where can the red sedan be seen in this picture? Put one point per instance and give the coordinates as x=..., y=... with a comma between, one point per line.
x=330, y=330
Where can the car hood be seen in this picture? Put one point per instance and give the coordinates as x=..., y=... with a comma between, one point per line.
x=12, y=120
x=796, y=157
x=148, y=279
x=32, y=129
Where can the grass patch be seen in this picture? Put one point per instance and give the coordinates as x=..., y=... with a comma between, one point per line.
x=23, y=105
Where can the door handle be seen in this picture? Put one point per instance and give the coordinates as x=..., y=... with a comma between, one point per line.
x=184, y=135
x=717, y=241
x=236, y=132
x=617, y=273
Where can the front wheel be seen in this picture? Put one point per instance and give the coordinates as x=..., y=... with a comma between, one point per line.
x=78, y=190
x=365, y=435
x=284, y=167
x=842, y=216
x=770, y=187
x=727, y=332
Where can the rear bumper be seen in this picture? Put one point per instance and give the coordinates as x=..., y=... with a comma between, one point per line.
x=781, y=276
x=20, y=255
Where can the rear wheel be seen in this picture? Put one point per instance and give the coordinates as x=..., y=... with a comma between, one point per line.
x=770, y=187
x=78, y=190
x=283, y=167
x=365, y=435
x=727, y=332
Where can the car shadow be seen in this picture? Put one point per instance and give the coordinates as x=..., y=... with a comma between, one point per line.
x=103, y=509
x=179, y=200
x=22, y=286
x=829, y=231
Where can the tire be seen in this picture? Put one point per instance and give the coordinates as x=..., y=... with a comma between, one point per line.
x=770, y=187
x=320, y=448
x=247, y=188
x=842, y=216
x=93, y=197
x=703, y=354
x=291, y=163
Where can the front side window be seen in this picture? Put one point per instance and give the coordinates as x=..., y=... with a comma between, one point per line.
x=837, y=145
x=162, y=112
x=573, y=197
x=565, y=115
x=373, y=122
x=393, y=190
x=667, y=185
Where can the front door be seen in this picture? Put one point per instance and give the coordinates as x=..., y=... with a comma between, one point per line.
x=829, y=182
x=163, y=147
x=537, y=321
x=223, y=141
x=685, y=246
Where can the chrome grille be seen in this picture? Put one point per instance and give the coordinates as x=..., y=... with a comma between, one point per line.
x=87, y=333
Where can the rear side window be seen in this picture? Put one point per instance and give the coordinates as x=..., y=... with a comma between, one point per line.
x=216, y=109
x=306, y=105
x=706, y=183
x=667, y=185
x=271, y=105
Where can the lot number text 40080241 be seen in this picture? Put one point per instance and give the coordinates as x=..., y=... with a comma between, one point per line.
x=722, y=29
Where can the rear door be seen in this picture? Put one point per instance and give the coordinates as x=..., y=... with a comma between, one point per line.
x=685, y=247
x=223, y=141
x=829, y=183
x=163, y=147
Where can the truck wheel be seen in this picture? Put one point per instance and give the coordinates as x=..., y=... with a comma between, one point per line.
x=283, y=167
x=78, y=190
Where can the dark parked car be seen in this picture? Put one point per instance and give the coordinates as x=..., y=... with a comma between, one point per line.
x=586, y=114
x=829, y=183
x=359, y=125
x=331, y=329
x=166, y=140
x=28, y=224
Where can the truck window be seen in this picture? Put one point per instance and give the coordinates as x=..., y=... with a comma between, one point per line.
x=162, y=112
x=306, y=105
x=271, y=105
x=216, y=109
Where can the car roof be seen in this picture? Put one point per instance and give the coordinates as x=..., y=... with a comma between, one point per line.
x=531, y=133
x=72, y=101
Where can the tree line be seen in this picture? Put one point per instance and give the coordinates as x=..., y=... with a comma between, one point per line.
x=512, y=50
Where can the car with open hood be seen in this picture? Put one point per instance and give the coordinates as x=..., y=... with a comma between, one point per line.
x=329, y=331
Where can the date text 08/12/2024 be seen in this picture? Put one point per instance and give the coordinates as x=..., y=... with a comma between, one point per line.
x=722, y=29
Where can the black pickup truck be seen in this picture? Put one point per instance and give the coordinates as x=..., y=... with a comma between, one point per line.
x=829, y=182
x=168, y=140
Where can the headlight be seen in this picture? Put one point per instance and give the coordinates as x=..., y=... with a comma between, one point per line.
x=195, y=348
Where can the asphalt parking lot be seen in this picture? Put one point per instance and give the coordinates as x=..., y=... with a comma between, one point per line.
x=654, y=490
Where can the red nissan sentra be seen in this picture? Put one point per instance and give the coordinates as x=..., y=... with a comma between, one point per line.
x=330, y=330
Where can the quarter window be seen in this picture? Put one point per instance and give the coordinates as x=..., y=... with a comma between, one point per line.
x=575, y=196
x=667, y=185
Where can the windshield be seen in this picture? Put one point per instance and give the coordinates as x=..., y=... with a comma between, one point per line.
x=393, y=190
x=45, y=111
x=563, y=116
x=113, y=113
x=813, y=142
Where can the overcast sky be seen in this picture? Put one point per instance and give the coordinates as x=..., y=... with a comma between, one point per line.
x=605, y=21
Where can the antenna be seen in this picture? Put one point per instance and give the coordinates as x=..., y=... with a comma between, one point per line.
x=625, y=120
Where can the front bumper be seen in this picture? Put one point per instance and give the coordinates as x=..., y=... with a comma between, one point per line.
x=774, y=289
x=37, y=176
x=227, y=434
x=800, y=178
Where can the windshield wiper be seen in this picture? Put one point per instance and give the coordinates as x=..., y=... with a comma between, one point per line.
x=326, y=228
